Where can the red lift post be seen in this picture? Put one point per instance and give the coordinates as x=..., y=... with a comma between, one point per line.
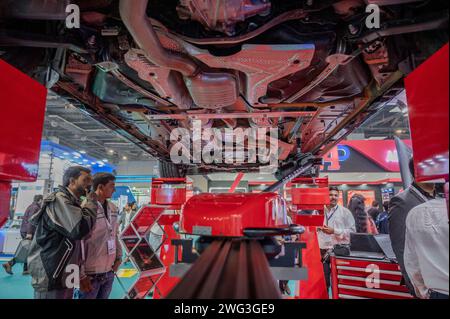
x=311, y=194
x=22, y=110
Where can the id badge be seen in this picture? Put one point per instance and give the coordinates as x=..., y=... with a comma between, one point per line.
x=111, y=247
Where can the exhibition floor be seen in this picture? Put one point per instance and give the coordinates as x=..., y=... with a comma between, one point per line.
x=18, y=286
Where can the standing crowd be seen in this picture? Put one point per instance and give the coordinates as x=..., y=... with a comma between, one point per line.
x=75, y=251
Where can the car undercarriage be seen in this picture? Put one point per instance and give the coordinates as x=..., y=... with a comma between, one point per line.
x=312, y=70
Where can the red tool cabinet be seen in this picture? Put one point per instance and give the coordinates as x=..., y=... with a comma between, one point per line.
x=365, y=278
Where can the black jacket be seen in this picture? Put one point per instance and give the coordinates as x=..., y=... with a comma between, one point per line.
x=60, y=225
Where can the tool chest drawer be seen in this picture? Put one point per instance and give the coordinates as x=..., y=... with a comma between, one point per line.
x=355, y=278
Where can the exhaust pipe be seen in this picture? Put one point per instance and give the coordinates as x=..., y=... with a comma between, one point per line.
x=210, y=90
x=134, y=15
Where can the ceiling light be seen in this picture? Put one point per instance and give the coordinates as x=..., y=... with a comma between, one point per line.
x=111, y=151
x=105, y=160
x=85, y=161
x=82, y=152
x=66, y=154
x=125, y=158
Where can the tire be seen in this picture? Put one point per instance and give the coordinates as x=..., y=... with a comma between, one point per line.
x=170, y=170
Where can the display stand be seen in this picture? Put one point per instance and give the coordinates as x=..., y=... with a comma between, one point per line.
x=168, y=195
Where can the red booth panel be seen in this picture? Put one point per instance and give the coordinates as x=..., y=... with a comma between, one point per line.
x=428, y=100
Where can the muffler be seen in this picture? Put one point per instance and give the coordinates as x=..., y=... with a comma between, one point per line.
x=210, y=90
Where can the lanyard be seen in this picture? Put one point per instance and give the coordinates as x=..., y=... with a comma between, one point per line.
x=333, y=211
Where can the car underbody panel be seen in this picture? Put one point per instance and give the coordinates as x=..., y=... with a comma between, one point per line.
x=311, y=70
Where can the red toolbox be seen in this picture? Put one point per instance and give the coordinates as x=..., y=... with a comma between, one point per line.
x=365, y=278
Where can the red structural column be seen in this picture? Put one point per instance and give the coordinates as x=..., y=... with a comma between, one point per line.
x=315, y=287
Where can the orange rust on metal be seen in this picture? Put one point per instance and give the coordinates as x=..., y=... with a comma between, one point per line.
x=309, y=104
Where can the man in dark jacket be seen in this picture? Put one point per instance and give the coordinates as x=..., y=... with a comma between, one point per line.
x=26, y=231
x=383, y=220
x=55, y=256
x=399, y=208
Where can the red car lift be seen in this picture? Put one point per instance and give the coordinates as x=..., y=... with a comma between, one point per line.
x=22, y=110
x=168, y=195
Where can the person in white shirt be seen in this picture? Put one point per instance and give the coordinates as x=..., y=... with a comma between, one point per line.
x=426, y=253
x=338, y=224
